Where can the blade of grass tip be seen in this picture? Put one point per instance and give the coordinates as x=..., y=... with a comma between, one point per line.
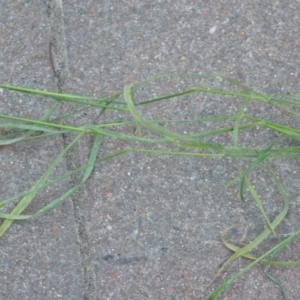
x=285, y=101
x=43, y=123
x=56, y=202
x=209, y=91
x=59, y=96
x=90, y=167
x=137, y=125
x=57, y=102
x=45, y=117
x=24, y=202
x=259, y=203
x=270, y=261
x=46, y=208
x=237, y=122
x=261, y=157
x=50, y=111
x=266, y=232
x=32, y=128
x=31, y=137
x=12, y=141
x=92, y=158
x=220, y=290
x=256, y=95
x=287, y=109
x=274, y=278
x=277, y=282
x=288, y=131
x=279, y=185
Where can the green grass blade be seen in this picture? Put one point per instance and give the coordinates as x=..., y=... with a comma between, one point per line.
x=69, y=174
x=92, y=158
x=171, y=136
x=28, y=198
x=45, y=209
x=29, y=127
x=237, y=122
x=261, y=157
x=58, y=201
x=272, y=262
x=266, y=232
x=65, y=97
x=259, y=203
x=277, y=282
x=219, y=291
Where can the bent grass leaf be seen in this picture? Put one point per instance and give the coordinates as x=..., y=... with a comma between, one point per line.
x=220, y=290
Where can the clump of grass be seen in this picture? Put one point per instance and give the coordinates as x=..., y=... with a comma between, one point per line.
x=181, y=144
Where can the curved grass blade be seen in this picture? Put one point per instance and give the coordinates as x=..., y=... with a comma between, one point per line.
x=259, y=203
x=272, y=262
x=171, y=136
x=266, y=232
x=277, y=282
x=261, y=157
x=220, y=290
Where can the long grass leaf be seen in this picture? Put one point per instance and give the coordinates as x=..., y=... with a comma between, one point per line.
x=260, y=158
x=171, y=136
x=277, y=282
x=259, y=203
x=28, y=198
x=261, y=237
x=238, y=119
x=220, y=290
x=92, y=158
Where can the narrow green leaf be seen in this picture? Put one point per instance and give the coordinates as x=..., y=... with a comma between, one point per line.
x=25, y=201
x=259, y=203
x=220, y=290
x=237, y=122
x=92, y=158
x=277, y=282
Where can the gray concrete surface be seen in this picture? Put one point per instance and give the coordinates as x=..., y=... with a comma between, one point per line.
x=144, y=226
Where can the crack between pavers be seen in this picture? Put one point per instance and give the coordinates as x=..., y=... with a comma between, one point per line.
x=59, y=64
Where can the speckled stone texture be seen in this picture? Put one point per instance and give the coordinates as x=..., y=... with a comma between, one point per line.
x=39, y=257
x=155, y=221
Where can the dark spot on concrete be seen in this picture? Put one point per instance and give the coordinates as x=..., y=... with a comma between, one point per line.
x=108, y=257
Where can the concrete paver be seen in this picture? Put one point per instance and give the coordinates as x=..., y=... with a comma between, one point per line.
x=153, y=223
x=40, y=258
